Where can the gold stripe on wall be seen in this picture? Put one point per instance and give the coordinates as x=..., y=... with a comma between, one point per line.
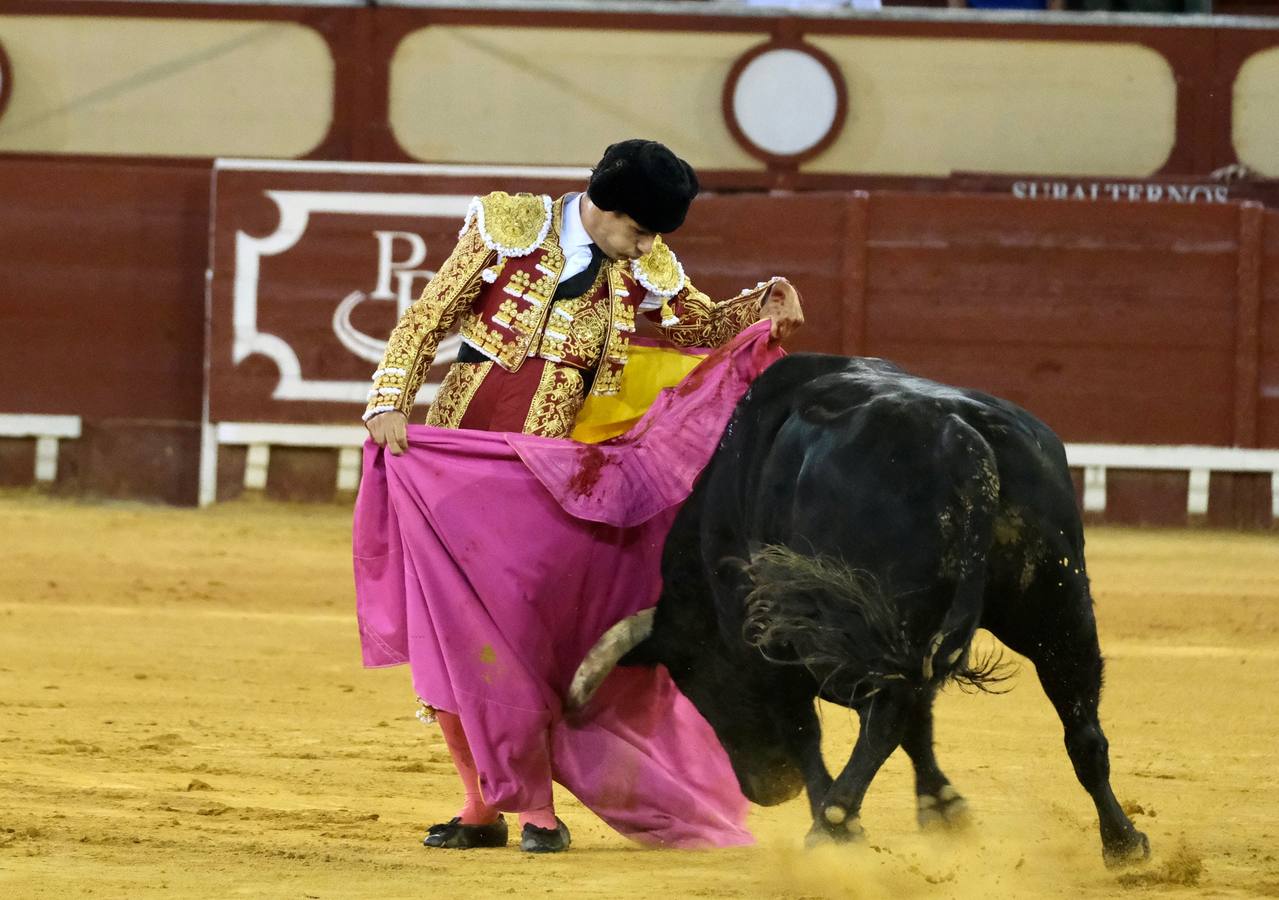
x=165, y=87
x=920, y=106
x=559, y=96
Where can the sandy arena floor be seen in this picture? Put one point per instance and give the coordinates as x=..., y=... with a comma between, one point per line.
x=184, y=714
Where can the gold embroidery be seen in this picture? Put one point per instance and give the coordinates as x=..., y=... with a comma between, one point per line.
x=504, y=347
x=705, y=323
x=576, y=328
x=584, y=340
x=456, y=393
x=659, y=270
x=506, y=313
x=542, y=290
x=608, y=381
x=411, y=347
x=528, y=319
x=623, y=316
x=554, y=258
x=518, y=284
x=508, y=332
x=556, y=402
x=514, y=224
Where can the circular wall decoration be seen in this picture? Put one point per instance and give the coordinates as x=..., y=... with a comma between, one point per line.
x=785, y=102
x=6, y=80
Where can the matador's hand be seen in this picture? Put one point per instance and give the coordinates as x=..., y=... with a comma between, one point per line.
x=782, y=305
x=388, y=430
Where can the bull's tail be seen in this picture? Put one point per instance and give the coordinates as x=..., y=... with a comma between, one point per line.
x=834, y=620
x=967, y=540
x=838, y=622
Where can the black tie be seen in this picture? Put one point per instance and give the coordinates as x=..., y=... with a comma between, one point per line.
x=580, y=283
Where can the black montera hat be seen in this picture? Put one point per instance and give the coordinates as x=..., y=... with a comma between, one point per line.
x=647, y=182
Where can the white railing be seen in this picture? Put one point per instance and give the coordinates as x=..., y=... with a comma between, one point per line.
x=1094, y=459
x=259, y=437
x=1199, y=462
x=47, y=430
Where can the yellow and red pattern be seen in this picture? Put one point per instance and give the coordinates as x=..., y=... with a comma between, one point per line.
x=497, y=288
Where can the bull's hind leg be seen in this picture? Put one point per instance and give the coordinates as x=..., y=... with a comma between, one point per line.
x=1068, y=660
x=883, y=724
x=938, y=804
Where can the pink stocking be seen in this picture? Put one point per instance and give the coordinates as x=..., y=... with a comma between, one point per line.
x=542, y=818
x=475, y=811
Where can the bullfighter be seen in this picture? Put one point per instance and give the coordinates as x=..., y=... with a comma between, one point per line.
x=546, y=294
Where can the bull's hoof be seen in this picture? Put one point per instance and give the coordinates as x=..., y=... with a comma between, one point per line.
x=846, y=831
x=944, y=811
x=1133, y=849
x=818, y=837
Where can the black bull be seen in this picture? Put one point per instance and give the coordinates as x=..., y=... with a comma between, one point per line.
x=853, y=529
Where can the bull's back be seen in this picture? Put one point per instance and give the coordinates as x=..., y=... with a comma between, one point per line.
x=843, y=454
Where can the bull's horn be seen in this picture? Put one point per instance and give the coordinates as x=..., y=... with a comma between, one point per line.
x=604, y=656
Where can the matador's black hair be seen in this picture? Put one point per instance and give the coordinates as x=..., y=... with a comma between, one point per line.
x=647, y=182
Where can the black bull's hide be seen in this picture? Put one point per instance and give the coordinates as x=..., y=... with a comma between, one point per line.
x=854, y=528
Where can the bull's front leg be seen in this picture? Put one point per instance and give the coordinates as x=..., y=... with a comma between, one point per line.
x=883, y=725
x=803, y=736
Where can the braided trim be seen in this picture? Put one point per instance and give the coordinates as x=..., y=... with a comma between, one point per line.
x=370, y=413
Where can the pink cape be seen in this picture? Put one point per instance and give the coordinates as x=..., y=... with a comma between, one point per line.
x=492, y=562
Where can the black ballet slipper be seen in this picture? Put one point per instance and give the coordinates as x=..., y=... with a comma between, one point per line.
x=545, y=840
x=453, y=835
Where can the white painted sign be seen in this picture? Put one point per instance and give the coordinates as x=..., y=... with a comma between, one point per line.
x=1121, y=192
x=296, y=209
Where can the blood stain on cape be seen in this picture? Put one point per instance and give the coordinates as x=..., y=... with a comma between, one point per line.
x=590, y=463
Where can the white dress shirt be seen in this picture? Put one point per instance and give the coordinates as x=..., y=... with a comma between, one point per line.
x=574, y=240
x=576, y=244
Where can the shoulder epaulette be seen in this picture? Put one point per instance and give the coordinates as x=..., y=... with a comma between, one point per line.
x=513, y=225
x=659, y=270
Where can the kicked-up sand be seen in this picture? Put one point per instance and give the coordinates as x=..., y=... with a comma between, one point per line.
x=183, y=714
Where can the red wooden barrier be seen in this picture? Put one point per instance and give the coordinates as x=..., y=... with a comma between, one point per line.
x=1136, y=323
x=1113, y=322
x=1268, y=335
x=1117, y=323
x=102, y=316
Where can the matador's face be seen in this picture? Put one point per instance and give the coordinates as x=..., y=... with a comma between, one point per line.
x=620, y=236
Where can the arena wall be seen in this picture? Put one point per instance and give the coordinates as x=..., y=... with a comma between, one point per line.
x=926, y=92
x=1119, y=318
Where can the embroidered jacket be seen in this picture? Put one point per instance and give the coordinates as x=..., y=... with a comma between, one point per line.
x=496, y=289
